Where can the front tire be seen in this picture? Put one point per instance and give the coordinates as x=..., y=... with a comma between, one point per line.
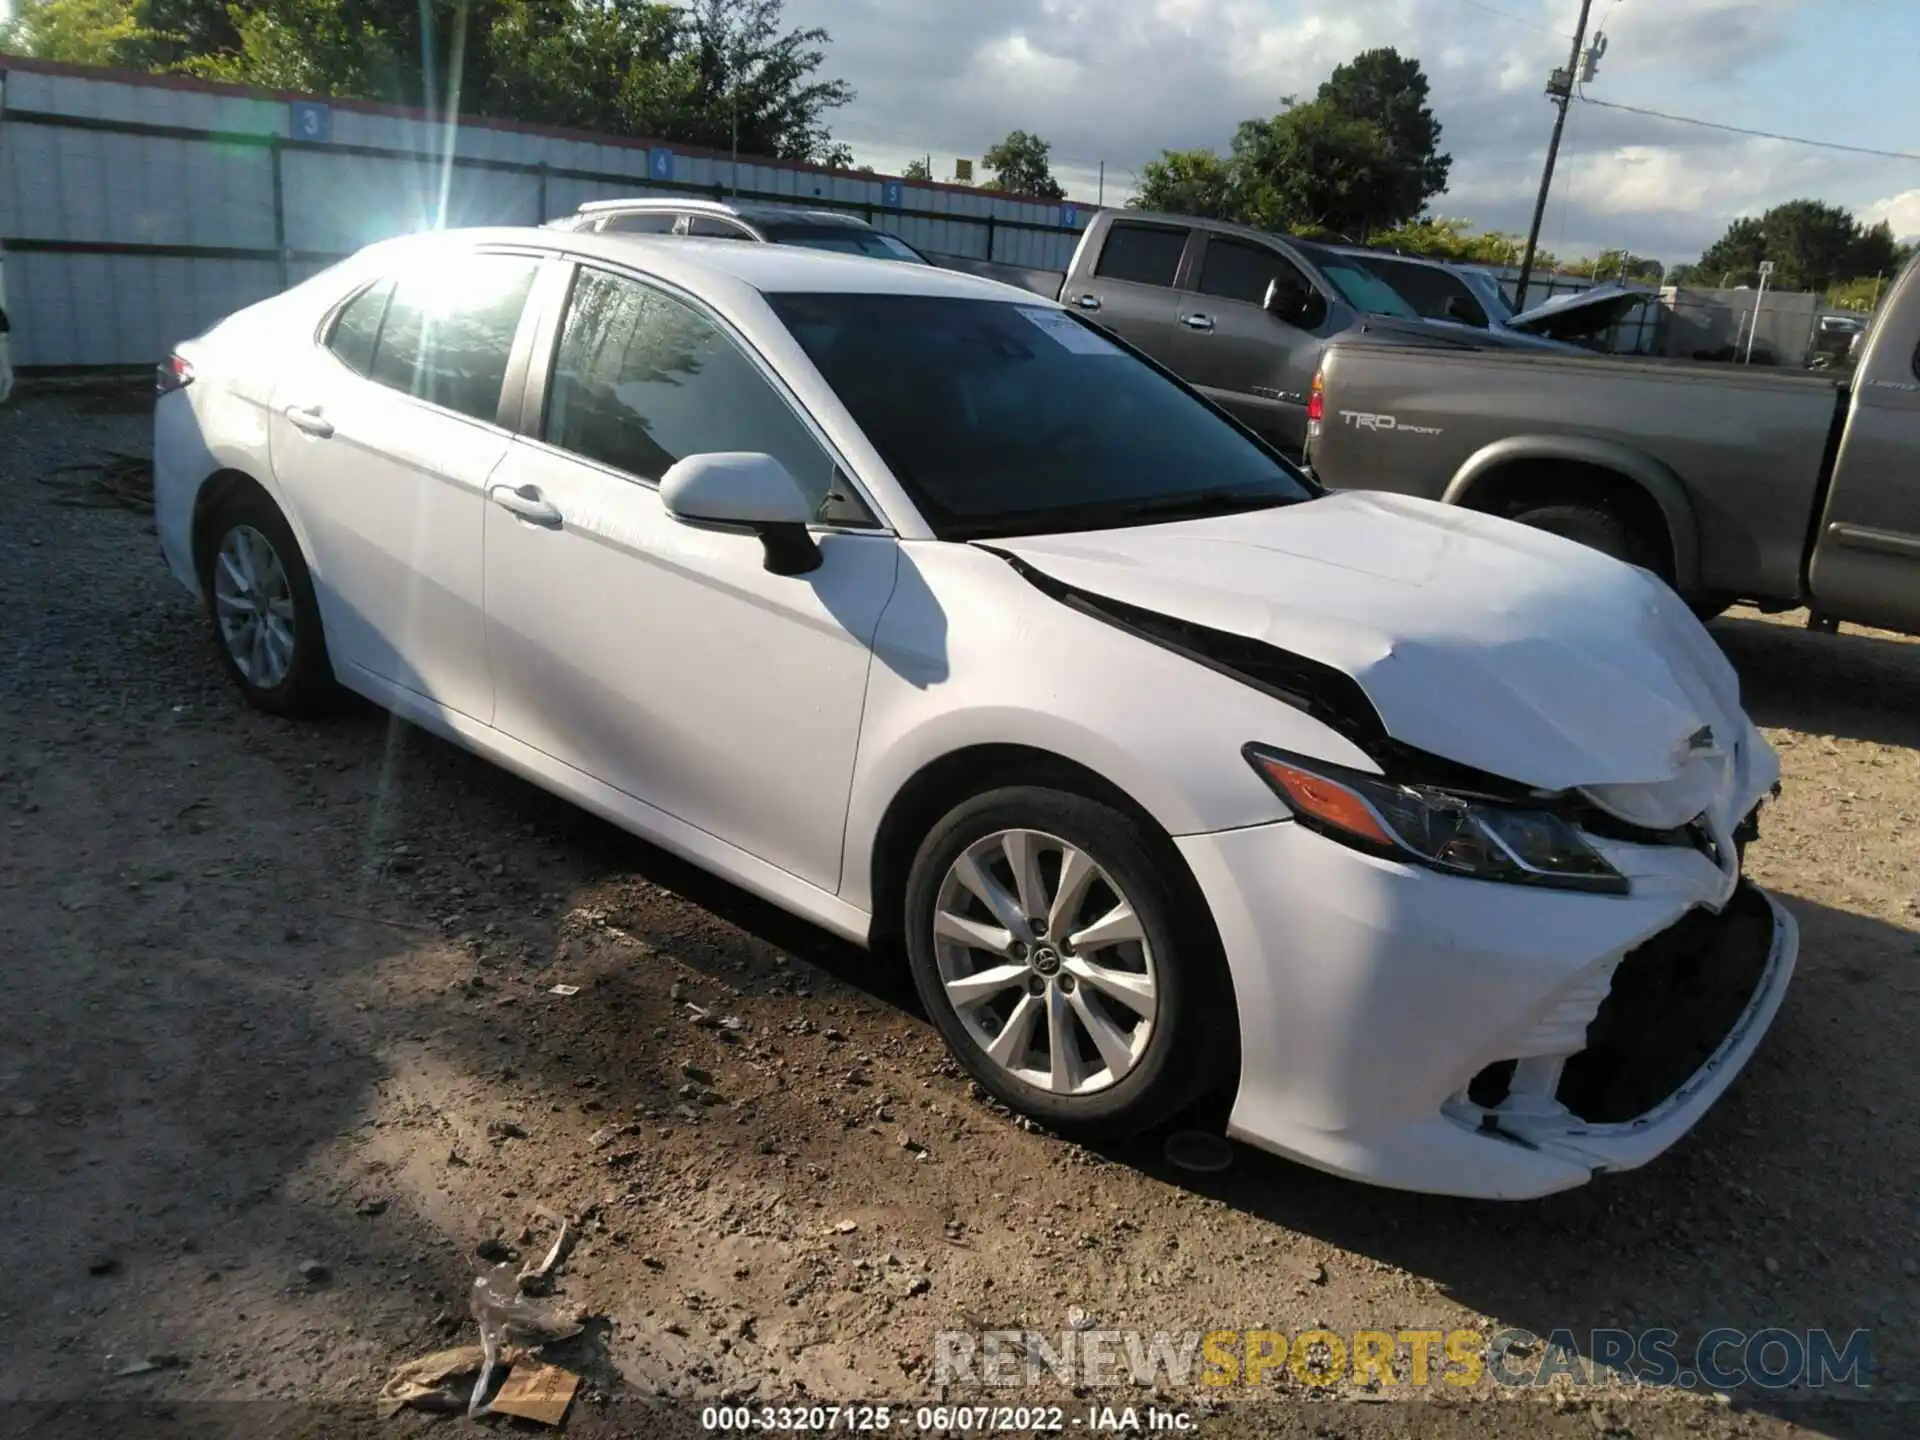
x=261, y=608
x=1595, y=527
x=1063, y=963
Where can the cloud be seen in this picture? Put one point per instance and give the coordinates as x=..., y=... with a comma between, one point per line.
x=1122, y=80
x=1901, y=211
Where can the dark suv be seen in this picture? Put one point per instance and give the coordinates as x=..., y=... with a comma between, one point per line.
x=742, y=220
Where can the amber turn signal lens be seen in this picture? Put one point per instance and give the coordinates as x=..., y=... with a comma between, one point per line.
x=1325, y=801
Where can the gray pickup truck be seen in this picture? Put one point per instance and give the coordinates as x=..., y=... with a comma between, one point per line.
x=1242, y=315
x=1733, y=482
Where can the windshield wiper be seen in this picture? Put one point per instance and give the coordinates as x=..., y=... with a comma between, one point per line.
x=1195, y=504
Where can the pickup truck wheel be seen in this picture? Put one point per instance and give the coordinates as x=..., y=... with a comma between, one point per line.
x=1595, y=527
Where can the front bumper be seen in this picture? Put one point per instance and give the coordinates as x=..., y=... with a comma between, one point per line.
x=1374, y=996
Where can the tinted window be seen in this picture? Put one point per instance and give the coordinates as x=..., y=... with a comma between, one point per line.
x=1433, y=292
x=1143, y=254
x=641, y=222
x=709, y=228
x=641, y=380
x=847, y=240
x=1242, y=270
x=1002, y=418
x=358, y=326
x=449, y=331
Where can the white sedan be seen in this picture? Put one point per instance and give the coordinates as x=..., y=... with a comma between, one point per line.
x=928, y=611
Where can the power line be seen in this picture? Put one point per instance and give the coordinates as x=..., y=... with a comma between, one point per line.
x=1509, y=16
x=1743, y=130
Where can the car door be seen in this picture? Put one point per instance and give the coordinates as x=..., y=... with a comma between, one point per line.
x=658, y=658
x=1132, y=290
x=383, y=437
x=1253, y=363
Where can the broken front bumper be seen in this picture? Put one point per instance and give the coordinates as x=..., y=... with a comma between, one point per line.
x=1460, y=1037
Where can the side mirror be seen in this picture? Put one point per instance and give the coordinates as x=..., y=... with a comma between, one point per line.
x=745, y=491
x=1291, y=302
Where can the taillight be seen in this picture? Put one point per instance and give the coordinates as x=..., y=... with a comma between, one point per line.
x=172, y=374
x=1317, y=401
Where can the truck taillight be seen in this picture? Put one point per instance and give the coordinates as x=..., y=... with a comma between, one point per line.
x=1317, y=401
x=172, y=374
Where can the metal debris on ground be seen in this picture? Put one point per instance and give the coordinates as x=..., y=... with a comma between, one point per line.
x=538, y=1279
x=120, y=481
x=508, y=1317
x=431, y=1382
x=1198, y=1151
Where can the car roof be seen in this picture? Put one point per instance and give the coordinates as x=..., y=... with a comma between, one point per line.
x=731, y=265
x=742, y=210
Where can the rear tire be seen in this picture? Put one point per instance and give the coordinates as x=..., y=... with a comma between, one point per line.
x=1595, y=527
x=261, y=608
x=1112, y=1014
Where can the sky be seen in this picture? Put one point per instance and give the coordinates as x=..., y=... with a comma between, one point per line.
x=1123, y=80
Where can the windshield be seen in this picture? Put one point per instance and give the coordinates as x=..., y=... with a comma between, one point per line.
x=1007, y=419
x=1366, y=291
x=846, y=240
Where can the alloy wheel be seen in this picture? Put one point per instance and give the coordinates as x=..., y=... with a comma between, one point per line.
x=1045, y=962
x=253, y=604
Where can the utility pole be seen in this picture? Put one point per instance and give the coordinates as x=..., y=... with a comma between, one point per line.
x=1560, y=88
x=1102, y=201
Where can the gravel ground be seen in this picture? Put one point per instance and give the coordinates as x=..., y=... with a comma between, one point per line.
x=280, y=1048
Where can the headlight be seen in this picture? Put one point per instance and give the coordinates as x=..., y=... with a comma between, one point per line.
x=1451, y=833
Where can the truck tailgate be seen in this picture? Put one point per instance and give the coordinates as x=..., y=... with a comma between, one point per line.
x=1746, y=444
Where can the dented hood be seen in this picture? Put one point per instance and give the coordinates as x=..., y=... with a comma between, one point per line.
x=1504, y=648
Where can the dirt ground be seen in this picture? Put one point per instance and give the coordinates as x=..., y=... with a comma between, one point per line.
x=280, y=1046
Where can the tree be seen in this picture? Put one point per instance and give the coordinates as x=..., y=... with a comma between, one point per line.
x=81, y=32
x=1389, y=91
x=1187, y=182
x=917, y=170
x=1312, y=170
x=1449, y=239
x=1619, y=265
x=1020, y=167
x=1812, y=246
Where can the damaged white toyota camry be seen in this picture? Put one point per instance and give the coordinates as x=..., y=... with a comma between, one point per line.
x=925, y=610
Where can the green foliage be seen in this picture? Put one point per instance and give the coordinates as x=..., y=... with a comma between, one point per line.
x=83, y=32
x=1451, y=239
x=1813, y=246
x=917, y=170
x=1187, y=182
x=1310, y=170
x=1389, y=91
x=1619, y=265
x=1020, y=167
x=713, y=73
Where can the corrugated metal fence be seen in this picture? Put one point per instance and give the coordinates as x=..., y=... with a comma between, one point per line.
x=137, y=209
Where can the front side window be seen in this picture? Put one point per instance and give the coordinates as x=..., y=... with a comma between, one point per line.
x=357, y=327
x=1242, y=270
x=642, y=380
x=449, y=331
x=1001, y=418
x=641, y=222
x=706, y=227
x=1141, y=254
x=1435, y=293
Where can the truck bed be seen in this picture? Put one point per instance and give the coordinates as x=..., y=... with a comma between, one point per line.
x=1747, y=442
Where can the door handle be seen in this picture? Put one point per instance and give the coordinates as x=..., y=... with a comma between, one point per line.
x=1087, y=302
x=310, y=420
x=1197, y=322
x=528, y=503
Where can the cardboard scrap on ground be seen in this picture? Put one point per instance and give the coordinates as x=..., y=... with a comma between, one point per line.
x=536, y=1392
x=426, y=1383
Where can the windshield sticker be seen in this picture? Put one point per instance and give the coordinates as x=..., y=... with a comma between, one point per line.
x=1069, y=333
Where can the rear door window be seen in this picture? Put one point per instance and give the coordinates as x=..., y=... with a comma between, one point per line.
x=357, y=327
x=1141, y=254
x=449, y=331
x=709, y=228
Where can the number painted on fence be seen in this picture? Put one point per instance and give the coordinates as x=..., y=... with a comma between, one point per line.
x=892, y=194
x=660, y=164
x=308, y=121
x=1069, y=214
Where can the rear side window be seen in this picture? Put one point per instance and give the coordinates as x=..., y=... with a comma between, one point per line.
x=1141, y=254
x=449, y=331
x=358, y=326
x=641, y=222
x=1241, y=270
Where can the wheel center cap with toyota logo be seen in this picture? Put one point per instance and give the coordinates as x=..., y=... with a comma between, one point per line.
x=1046, y=960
